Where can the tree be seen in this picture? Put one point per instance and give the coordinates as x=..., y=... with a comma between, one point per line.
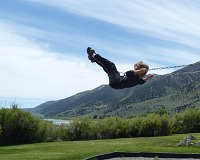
x=18, y=127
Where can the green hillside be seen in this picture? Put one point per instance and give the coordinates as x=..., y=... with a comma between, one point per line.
x=174, y=92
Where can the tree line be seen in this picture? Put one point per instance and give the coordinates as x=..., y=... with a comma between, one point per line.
x=20, y=127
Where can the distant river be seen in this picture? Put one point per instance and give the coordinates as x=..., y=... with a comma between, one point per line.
x=58, y=121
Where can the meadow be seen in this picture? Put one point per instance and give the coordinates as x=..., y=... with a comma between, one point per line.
x=79, y=150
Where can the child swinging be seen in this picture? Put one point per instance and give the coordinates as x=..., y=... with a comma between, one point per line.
x=129, y=79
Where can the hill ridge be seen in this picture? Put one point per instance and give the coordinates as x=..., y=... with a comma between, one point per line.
x=105, y=101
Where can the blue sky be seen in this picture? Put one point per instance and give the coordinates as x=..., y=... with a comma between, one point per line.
x=43, y=43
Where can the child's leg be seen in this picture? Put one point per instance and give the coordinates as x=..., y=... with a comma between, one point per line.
x=108, y=66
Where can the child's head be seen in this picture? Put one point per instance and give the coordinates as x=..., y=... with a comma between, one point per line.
x=140, y=65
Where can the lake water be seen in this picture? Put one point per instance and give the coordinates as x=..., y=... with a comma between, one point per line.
x=58, y=121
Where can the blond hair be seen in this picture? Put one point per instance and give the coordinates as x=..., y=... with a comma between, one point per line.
x=140, y=65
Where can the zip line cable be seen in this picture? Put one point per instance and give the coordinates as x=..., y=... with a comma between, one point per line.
x=168, y=67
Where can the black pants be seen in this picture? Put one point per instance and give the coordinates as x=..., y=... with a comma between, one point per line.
x=108, y=66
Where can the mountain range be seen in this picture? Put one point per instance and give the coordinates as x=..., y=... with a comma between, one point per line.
x=174, y=92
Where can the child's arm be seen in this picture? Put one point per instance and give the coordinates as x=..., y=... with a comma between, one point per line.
x=142, y=70
x=148, y=77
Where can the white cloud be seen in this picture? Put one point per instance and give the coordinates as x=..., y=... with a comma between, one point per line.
x=172, y=20
x=29, y=71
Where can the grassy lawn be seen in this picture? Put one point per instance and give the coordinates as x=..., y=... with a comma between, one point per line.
x=78, y=150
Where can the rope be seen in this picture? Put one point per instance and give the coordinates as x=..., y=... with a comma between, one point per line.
x=194, y=72
x=168, y=67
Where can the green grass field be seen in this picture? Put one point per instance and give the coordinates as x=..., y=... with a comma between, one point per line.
x=78, y=150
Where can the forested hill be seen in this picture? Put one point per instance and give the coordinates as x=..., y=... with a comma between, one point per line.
x=174, y=92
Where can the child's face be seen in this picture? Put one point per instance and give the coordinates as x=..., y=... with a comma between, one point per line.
x=136, y=67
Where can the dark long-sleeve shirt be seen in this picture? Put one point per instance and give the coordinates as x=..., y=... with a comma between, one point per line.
x=130, y=79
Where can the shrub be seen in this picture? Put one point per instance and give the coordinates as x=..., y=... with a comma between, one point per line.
x=112, y=127
x=134, y=126
x=18, y=127
x=165, y=125
x=150, y=125
x=79, y=129
x=187, y=122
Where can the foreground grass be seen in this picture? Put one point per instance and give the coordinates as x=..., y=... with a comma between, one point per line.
x=78, y=150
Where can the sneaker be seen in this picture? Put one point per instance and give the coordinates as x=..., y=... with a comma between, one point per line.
x=90, y=53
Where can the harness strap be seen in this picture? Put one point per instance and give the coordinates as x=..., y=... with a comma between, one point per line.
x=114, y=78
